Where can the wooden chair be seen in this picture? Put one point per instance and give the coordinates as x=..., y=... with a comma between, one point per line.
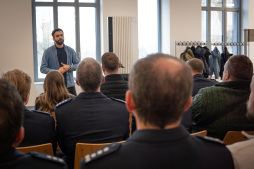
x=82, y=149
x=130, y=122
x=235, y=136
x=202, y=133
x=42, y=148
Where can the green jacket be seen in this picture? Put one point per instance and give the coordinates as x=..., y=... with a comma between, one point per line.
x=222, y=108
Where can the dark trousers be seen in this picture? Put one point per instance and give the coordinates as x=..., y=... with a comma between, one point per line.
x=72, y=90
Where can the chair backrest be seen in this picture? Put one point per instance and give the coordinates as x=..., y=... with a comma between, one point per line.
x=235, y=136
x=42, y=148
x=202, y=133
x=130, y=122
x=82, y=149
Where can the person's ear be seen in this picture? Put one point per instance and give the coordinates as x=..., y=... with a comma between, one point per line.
x=103, y=69
x=226, y=75
x=187, y=106
x=102, y=79
x=20, y=136
x=119, y=65
x=26, y=98
x=77, y=82
x=130, y=105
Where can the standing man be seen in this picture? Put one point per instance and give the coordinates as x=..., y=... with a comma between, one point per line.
x=62, y=58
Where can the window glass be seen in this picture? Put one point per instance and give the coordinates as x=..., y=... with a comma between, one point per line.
x=44, y=27
x=66, y=21
x=232, y=3
x=87, y=32
x=87, y=1
x=43, y=0
x=204, y=25
x=147, y=27
x=204, y=3
x=216, y=3
x=232, y=27
x=65, y=0
x=216, y=27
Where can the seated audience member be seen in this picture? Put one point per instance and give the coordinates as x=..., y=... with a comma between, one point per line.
x=159, y=141
x=243, y=152
x=39, y=126
x=55, y=91
x=12, y=133
x=199, y=81
x=114, y=84
x=222, y=107
x=91, y=117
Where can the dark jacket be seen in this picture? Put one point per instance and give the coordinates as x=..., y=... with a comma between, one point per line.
x=222, y=108
x=14, y=159
x=91, y=117
x=39, y=128
x=162, y=149
x=214, y=60
x=200, y=54
x=199, y=82
x=207, y=54
x=224, y=57
x=114, y=86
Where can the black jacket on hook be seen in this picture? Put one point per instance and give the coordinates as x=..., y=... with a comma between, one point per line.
x=224, y=57
x=200, y=53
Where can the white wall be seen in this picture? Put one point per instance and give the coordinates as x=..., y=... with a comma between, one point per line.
x=185, y=23
x=119, y=8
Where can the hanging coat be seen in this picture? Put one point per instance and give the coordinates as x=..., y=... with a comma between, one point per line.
x=187, y=54
x=199, y=53
x=214, y=60
x=224, y=57
x=207, y=54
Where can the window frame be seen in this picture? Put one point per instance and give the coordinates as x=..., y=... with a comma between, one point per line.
x=76, y=4
x=224, y=10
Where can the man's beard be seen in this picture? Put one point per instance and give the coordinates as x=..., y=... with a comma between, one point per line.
x=59, y=42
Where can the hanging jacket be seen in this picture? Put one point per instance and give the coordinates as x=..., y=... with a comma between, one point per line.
x=207, y=54
x=214, y=61
x=224, y=57
x=199, y=53
x=187, y=54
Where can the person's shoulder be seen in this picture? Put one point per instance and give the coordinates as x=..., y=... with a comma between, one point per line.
x=69, y=48
x=117, y=100
x=49, y=49
x=44, y=160
x=97, y=156
x=211, y=140
x=37, y=112
x=65, y=102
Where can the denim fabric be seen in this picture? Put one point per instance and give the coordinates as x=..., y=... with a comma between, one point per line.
x=50, y=62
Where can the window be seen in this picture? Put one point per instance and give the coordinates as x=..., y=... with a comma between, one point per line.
x=79, y=20
x=149, y=27
x=220, y=22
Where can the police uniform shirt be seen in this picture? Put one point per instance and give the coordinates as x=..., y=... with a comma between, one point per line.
x=161, y=149
x=14, y=159
x=91, y=117
x=39, y=128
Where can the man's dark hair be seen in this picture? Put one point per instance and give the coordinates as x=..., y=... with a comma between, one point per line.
x=196, y=65
x=161, y=86
x=11, y=114
x=89, y=74
x=110, y=61
x=55, y=30
x=239, y=67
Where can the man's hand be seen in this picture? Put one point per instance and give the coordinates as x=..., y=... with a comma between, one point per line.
x=66, y=67
x=62, y=70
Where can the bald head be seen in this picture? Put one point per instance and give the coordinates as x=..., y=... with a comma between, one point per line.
x=196, y=65
x=161, y=86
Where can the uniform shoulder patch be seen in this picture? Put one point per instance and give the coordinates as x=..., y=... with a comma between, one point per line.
x=109, y=149
x=63, y=102
x=48, y=157
x=211, y=139
x=118, y=100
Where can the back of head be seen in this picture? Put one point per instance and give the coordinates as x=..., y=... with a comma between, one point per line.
x=196, y=65
x=21, y=80
x=11, y=114
x=89, y=74
x=110, y=61
x=239, y=67
x=161, y=86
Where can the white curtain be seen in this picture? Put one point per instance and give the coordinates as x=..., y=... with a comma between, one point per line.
x=123, y=41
